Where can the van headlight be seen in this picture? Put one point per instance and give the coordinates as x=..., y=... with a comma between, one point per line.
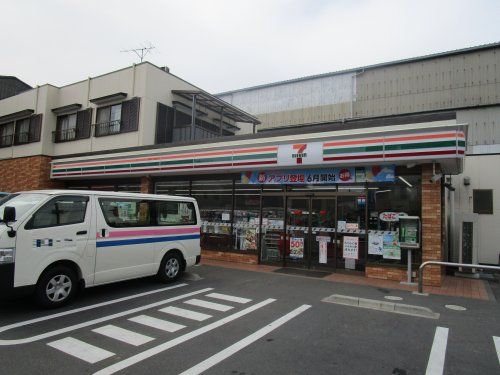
x=7, y=256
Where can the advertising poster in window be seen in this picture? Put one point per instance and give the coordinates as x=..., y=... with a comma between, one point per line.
x=375, y=244
x=391, y=247
x=323, y=250
x=250, y=241
x=297, y=247
x=351, y=247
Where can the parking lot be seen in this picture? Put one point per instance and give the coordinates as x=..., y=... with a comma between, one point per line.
x=225, y=321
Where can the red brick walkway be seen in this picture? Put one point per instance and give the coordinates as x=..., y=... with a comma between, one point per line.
x=452, y=286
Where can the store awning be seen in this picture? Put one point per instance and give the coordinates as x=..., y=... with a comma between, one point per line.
x=442, y=142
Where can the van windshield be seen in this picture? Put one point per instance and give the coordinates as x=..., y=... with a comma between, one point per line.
x=21, y=202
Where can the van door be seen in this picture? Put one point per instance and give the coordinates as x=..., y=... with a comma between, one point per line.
x=58, y=230
x=125, y=239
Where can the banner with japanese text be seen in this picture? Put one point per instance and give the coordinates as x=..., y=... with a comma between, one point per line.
x=321, y=176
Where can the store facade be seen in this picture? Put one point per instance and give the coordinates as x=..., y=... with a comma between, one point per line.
x=323, y=201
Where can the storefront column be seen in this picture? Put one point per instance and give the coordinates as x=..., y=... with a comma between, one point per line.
x=147, y=186
x=431, y=226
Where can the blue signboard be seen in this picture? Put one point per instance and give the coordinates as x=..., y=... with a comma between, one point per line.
x=384, y=173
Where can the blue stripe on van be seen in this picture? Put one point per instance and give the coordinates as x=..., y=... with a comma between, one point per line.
x=135, y=241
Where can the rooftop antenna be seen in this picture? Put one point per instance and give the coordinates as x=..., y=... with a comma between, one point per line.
x=141, y=52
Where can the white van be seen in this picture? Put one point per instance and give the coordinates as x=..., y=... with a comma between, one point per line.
x=54, y=241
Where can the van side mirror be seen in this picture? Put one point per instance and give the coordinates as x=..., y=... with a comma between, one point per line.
x=9, y=214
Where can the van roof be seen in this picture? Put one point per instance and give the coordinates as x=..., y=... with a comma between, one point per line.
x=109, y=193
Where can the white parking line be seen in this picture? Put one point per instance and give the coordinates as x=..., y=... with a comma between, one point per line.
x=161, y=324
x=100, y=320
x=435, y=365
x=121, y=334
x=226, y=297
x=82, y=350
x=208, y=305
x=496, y=340
x=188, y=314
x=219, y=357
x=181, y=339
x=80, y=309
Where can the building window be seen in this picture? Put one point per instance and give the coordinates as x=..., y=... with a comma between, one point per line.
x=482, y=201
x=108, y=120
x=66, y=126
x=22, y=131
x=6, y=134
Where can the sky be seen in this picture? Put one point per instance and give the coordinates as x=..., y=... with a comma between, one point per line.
x=222, y=45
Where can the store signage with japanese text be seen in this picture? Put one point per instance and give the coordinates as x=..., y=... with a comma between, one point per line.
x=297, y=247
x=320, y=176
x=391, y=216
x=351, y=247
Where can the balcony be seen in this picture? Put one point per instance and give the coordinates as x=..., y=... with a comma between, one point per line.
x=65, y=135
x=22, y=138
x=107, y=128
x=6, y=140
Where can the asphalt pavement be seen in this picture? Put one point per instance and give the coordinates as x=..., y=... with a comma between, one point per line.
x=227, y=321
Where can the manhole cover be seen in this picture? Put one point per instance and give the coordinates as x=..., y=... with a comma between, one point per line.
x=393, y=298
x=455, y=307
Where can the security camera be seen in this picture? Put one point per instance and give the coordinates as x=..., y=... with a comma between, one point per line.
x=436, y=177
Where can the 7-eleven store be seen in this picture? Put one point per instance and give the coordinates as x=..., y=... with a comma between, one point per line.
x=300, y=199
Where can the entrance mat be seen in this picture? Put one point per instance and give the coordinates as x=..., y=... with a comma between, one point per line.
x=301, y=272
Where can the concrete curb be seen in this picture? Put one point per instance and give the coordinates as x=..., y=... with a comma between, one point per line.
x=397, y=308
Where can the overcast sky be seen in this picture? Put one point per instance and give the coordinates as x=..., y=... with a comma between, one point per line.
x=223, y=45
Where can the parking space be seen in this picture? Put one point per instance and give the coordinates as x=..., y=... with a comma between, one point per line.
x=233, y=321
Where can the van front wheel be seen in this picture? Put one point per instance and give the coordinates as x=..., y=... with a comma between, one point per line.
x=56, y=287
x=170, y=268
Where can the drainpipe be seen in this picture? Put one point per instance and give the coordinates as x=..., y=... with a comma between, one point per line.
x=193, y=116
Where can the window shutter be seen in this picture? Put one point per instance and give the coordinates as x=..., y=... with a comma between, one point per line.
x=35, y=128
x=130, y=115
x=83, y=122
x=164, y=123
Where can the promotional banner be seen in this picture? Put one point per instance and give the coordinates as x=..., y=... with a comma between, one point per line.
x=320, y=176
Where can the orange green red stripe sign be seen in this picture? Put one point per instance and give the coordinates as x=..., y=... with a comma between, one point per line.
x=377, y=149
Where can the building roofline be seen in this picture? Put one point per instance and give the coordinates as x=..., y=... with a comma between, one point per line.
x=368, y=67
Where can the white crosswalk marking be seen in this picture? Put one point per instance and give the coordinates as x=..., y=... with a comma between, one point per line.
x=226, y=297
x=188, y=314
x=82, y=350
x=161, y=324
x=121, y=334
x=208, y=305
x=496, y=340
x=435, y=366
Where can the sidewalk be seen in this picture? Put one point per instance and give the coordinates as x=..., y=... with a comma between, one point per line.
x=452, y=286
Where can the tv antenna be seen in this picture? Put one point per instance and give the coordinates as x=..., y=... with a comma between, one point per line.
x=141, y=52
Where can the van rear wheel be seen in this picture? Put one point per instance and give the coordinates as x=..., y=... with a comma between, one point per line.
x=170, y=268
x=56, y=287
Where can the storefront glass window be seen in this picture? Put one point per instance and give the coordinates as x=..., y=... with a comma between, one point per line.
x=386, y=202
x=246, y=217
x=215, y=200
x=173, y=188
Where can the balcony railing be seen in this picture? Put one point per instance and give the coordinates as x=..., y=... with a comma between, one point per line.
x=21, y=138
x=107, y=128
x=64, y=135
x=6, y=140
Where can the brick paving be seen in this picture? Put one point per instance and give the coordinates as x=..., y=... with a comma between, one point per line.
x=451, y=286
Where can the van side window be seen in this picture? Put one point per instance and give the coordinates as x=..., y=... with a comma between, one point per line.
x=63, y=210
x=175, y=213
x=122, y=213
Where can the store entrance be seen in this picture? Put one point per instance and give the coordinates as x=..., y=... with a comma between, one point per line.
x=310, y=232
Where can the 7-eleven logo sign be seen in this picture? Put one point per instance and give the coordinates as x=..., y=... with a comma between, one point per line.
x=299, y=152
